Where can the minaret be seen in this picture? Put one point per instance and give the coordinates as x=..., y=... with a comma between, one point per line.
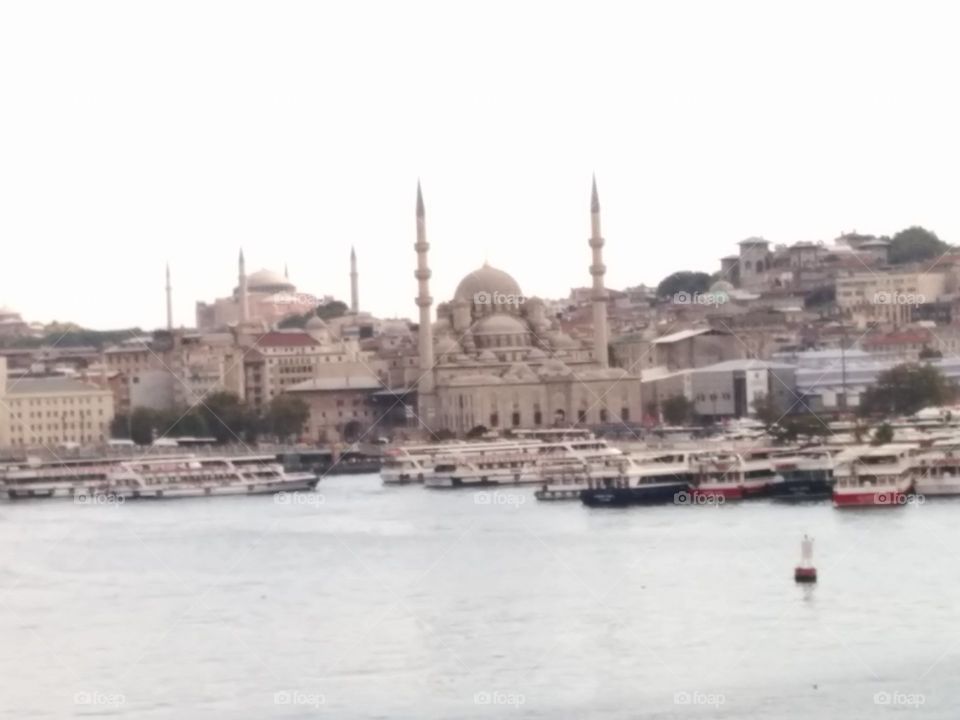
x=597, y=270
x=243, y=291
x=169, y=301
x=354, y=288
x=424, y=302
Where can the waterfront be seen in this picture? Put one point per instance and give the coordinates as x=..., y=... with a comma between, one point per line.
x=363, y=601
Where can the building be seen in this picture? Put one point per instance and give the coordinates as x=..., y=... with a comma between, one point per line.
x=496, y=359
x=52, y=411
x=342, y=407
x=886, y=298
x=732, y=389
x=262, y=298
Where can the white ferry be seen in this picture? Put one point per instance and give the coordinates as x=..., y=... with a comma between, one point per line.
x=803, y=474
x=874, y=476
x=757, y=471
x=407, y=464
x=937, y=471
x=717, y=475
x=167, y=477
x=518, y=464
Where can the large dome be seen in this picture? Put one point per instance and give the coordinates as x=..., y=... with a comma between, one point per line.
x=269, y=281
x=488, y=285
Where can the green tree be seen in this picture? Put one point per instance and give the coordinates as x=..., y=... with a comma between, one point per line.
x=120, y=426
x=143, y=422
x=477, y=431
x=227, y=418
x=684, y=281
x=882, y=435
x=287, y=416
x=327, y=311
x=915, y=243
x=792, y=427
x=905, y=389
x=677, y=410
x=929, y=353
x=766, y=410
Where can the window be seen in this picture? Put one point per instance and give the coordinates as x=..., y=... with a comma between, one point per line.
x=494, y=420
x=625, y=414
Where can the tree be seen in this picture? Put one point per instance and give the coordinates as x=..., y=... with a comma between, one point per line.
x=677, y=410
x=820, y=296
x=766, y=410
x=929, y=353
x=684, y=281
x=478, y=431
x=143, y=422
x=905, y=389
x=915, y=243
x=120, y=426
x=227, y=418
x=882, y=435
x=286, y=416
x=792, y=427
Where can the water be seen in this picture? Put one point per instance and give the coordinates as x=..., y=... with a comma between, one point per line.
x=407, y=603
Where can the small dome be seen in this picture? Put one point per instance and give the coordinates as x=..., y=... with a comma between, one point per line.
x=315, y=323
x=722, y=286
x=560, y=339
x=536, y=354
x=488, y=285
x=487, y=356
x=500, y=324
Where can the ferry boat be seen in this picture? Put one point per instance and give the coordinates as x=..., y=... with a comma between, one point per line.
x=654, y=480
x=408, y=464
x=166, y=477
x=518, y=464
x=874, y=476
x=757, y=472
x=805, y=474
x=717, y=475
x=937, y=472
x=566, y=483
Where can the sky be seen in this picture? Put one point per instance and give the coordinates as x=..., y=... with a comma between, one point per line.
x=133, y=134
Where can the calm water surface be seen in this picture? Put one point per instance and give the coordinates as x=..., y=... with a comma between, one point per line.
x=408, y=603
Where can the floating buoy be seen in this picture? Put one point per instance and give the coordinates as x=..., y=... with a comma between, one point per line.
x=805, y=572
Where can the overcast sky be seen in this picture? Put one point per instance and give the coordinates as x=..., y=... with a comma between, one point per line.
x=135, y=133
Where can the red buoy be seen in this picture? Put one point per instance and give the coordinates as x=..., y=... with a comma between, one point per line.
x=805, y=572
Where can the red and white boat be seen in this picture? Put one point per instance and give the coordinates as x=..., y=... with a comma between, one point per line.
x=874, y=476
x=717, y=475
x=757, y=472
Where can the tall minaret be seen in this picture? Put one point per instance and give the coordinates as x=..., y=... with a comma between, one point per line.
x=169, y=301
x=597, y=270
x=425, y=385
x=354, y=289
x=243, y=290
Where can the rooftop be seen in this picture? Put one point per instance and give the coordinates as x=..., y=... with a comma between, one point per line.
x=49, y=385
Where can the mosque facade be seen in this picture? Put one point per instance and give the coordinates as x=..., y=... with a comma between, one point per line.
x=494, y=358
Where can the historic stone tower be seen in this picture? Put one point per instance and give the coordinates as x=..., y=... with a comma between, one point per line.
x=597, y=270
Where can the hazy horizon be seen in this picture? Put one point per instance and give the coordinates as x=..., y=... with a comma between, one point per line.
x=203, y=128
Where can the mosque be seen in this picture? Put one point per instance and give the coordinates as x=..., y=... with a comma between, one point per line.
x=493, y=357
x=260, y=299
